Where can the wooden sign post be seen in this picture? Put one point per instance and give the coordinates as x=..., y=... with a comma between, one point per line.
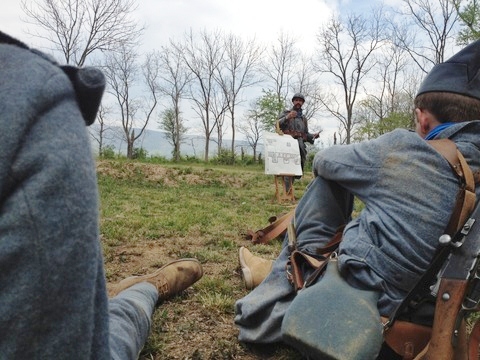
x=281, y=191
x=282, y=159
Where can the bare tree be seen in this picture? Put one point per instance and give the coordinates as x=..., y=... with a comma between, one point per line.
x=100, y=136
x=174, y=79
x=389, y=105
x=388, y=75
x=78, y=28
x=122, y=72
x=428, y=29
x=346, y=53
x=219, y=102
x=239, y=72
x=307, y=82
x=253, y=127
x=203, y=56
x=279, y=65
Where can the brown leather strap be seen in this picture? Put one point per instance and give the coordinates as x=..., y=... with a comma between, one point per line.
x=465, y=198
x=411, y=341
x=272, y=231
x=333, y=242
x=298, y=261
x=407, y=339
x=470, y=196
x=466, y=195
x=448, y=150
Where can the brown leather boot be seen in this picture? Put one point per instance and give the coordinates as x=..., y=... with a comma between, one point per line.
x=254, y=268
x=169, y=280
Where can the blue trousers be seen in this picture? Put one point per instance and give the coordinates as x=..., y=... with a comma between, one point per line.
x=321, y=210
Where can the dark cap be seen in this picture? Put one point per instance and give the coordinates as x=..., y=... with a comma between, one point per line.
x=298, y=96
x=460, y=74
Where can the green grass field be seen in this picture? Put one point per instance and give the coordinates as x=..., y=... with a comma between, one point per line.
x=151, y=214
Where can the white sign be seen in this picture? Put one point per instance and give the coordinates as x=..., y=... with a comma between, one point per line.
x=282, y=155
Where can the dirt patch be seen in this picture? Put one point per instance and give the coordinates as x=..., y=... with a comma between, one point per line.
x=169, y=176
x=184, y=327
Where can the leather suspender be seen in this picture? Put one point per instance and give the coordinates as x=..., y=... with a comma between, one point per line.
x=466, y=195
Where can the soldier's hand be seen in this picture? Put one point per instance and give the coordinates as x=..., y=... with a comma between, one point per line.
x=315, y=136
x=291, y=115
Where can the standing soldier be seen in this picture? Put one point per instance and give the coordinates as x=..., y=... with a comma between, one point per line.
x=294, y=123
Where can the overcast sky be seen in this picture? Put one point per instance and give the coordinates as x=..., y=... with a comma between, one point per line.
x=262, y=19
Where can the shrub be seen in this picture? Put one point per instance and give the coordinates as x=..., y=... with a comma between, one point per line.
x=190, y=159
x=158, y=159
x=224, y=157
x=139, y=153
x=108, y=152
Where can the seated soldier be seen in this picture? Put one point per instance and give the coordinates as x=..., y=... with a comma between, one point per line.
x=54, y=297
x=409, y=192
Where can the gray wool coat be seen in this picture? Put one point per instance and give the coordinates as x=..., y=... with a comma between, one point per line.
x=53, y=297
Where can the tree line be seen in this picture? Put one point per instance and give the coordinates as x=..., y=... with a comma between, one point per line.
x=363, y=71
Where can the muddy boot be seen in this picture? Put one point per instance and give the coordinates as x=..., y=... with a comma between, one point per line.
x=254, y=268
x=169, y=280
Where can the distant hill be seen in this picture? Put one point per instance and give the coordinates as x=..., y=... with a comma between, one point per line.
x=156, y=143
